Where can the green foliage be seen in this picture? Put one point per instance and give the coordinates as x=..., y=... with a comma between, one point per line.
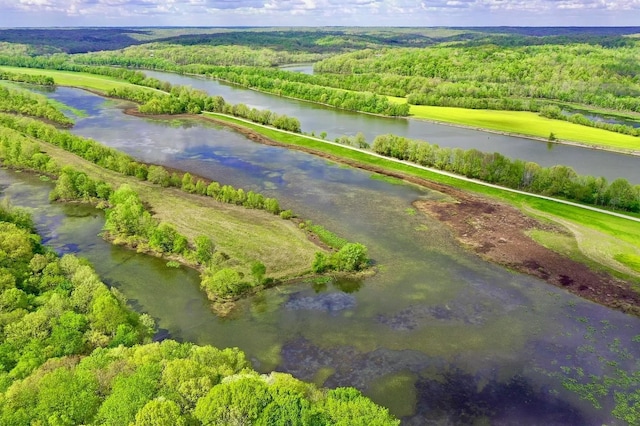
x=204, y=249
x=347, y=406
x=258, y=271
x=129, y=394
x=307, y=87
x=240, y=400
x=351, y=257
x=74, y=185
x=160, y=412
x=19, y=217
x=286, y=214
x=223, y=283
x=163, y=238
x=54, y=307
x=88, y=149
x=19, y=151
x=173, y=264
x=24, y=102
x=127, y=215
x=172, y=383
x=513, y=78
x=320, y=263
x=159, y=176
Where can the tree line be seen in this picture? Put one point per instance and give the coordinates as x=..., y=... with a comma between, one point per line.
x=185, y=100
x=282, y=83
x=23, y=151
x=73, y=352
x=61, y=62
x=171, y=57
x=39, y=79
x=557, y=181
x=306, y=87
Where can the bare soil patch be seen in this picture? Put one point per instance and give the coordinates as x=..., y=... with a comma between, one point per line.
x=498, y=233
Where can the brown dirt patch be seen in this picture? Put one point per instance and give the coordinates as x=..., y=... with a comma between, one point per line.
x=497, y=233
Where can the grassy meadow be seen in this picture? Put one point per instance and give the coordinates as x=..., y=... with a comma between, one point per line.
x=525, y=123
x=76, y=79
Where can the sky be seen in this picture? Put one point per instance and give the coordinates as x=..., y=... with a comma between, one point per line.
x=427, y=13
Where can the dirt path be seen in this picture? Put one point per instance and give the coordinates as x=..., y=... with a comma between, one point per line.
x=497, y=232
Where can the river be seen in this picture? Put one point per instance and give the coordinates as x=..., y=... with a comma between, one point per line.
x=318, y=118
x=438, y=335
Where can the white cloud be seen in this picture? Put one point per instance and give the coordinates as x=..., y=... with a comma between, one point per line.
x=321, y=12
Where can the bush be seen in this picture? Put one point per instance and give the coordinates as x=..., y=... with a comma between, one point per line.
x=320, y=263
x=351, y=257
x=224, y=283
x=286, y=214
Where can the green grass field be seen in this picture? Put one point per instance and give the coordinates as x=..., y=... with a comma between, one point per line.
x=75, y=79
x=526, y=123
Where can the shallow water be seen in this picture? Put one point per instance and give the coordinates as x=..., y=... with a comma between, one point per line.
x=437, y=335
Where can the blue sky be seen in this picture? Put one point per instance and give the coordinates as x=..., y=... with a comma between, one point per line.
x=44, y=13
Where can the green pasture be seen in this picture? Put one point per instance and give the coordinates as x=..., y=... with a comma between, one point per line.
x=75, y=79
x=526, y=123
